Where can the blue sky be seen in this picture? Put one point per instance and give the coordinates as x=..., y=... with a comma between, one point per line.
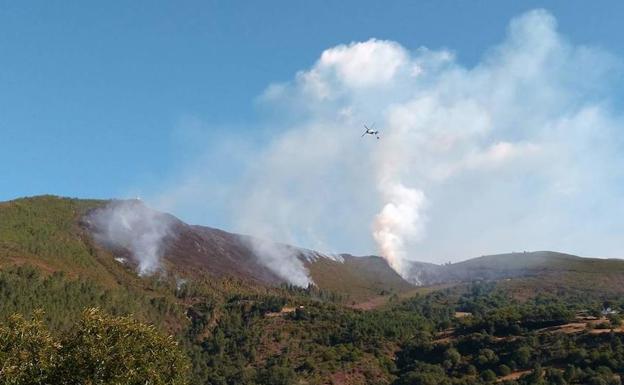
x=90, y=92
x=96, y=97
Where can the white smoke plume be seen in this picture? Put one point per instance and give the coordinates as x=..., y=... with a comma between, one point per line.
x=130, y=225
x=522, y=151
x=283, y=260
x=401, y=218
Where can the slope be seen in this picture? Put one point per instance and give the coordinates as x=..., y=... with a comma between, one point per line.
x=55, y=234
x=45, y=232
x=359, y=278
x=528, y=273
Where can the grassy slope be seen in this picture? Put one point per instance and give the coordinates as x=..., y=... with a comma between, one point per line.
x=361, y=278
x=542, y=261
x=43, y=231
x=527, y=274
x=63, y=271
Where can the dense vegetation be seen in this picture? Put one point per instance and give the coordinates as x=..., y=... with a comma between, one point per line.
x=503, y=336
x=100, y=349
x=229, y=331
x=234, y=333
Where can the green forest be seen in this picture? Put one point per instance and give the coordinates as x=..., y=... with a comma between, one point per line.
x=108, y=326
x=228, y=333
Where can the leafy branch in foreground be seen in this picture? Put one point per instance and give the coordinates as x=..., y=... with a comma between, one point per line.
x=101, y=349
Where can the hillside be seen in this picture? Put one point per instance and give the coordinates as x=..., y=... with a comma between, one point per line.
x=230, y=314
x=220, y=253
x=492, y=267
x=45, y=232
x=528, y=273
x=238, y=324
x=53, y=234
x=357, y=277
x=56, y=234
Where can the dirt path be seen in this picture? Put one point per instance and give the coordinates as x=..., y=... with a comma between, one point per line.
x=513, y=376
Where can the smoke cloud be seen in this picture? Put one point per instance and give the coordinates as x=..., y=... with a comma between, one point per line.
x=283, y=260
x=401, y=218
x=522, y=151
x=132, y=226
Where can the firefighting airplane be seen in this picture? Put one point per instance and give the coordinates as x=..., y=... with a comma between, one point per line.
x=370, y=131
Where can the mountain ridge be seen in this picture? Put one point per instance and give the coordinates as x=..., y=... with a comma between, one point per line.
x=40, y=230
x=234, y=322
x=509, y=265
x=52, y=233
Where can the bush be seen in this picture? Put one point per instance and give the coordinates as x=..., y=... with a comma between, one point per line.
x=488, y=375
x=101, y=350
x=28, y=353
x=615, y=320
x=503, y=370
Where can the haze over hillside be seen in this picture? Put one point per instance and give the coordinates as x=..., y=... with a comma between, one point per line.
x=497, y=154
x=328, y=193
x=516, y=151
x=149, y=242
x=189, y=248
x=218, y=294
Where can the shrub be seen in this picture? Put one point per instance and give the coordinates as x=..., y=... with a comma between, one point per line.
x=488, y=375
x=102, y=349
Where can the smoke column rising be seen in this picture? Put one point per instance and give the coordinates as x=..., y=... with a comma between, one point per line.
x=282, y=260
x=521, y=151
x=131, y=225
x=401, y=218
